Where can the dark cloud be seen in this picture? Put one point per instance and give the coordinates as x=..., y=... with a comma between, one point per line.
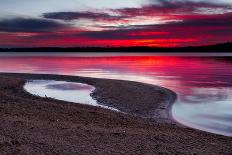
x=211, y=27
x=219, y=20
x=167, y=7
x=81, y=15
x=161, y=7
x=30, y=25
x=168, y=10
x=183, y=24
x=195, y=21
x=188, y=4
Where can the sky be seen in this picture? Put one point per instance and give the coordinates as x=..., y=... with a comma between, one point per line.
x=114, y=23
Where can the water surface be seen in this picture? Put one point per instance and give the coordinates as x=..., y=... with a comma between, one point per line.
x=65, y=91
x=203, y=84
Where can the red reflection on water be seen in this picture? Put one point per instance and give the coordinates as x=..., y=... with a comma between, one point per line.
x=188, y=71
x=205, y=82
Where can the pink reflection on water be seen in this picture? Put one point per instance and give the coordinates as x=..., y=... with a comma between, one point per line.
x=200, y=81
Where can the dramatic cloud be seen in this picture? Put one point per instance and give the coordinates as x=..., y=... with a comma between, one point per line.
x=80, y=15
x=30, y=25
x=185, y=6
x=160, y=12
x=171, y=9
x=157, y=23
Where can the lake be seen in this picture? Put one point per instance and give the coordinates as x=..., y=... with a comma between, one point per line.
x=203, y=82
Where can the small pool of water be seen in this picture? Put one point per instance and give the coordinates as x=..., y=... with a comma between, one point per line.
x=65, y=91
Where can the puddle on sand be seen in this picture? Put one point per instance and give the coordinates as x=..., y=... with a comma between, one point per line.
x=65, y=91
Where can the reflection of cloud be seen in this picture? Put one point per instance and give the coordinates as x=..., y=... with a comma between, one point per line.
x=212, y=116
x=200, y=72
x=69, y=86
x=206, y=95
x=182, y=73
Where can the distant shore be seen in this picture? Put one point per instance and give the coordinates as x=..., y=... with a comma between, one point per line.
x=223, y=47
x=34, y=125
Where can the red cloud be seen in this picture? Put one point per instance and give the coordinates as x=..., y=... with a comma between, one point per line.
x=179, y=25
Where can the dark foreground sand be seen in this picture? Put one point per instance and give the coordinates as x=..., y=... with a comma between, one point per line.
x=33, y=125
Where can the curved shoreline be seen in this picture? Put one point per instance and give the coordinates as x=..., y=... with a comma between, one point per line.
x=35, y=125
x=126, y=96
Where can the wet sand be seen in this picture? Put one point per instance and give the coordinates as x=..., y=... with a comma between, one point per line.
x=34, y=125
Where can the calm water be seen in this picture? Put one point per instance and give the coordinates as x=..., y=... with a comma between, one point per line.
x=203, y=84
x=61, y=90
x=65, y=91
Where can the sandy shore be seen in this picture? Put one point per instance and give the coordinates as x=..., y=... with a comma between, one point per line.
x=33, y=125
